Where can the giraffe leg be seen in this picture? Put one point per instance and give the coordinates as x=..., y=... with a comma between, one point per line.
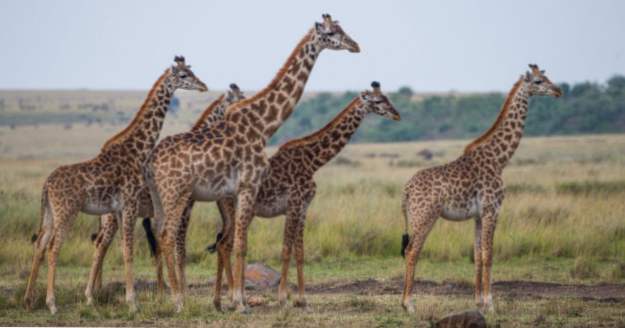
x=244, y=213
x=488, y=233
x=226, y=207
x=477, y=259
x=181, y=254
x=44, y=237
x=173, y=210
x=108, y=227
x=290, y=229
x=156, y=253
x=53, y=253
x=422, y=225
x=129, y=216
x=299, y=258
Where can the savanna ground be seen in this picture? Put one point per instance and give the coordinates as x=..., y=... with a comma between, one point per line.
x=559, y=257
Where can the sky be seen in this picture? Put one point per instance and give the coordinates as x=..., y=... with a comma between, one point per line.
x=426, y=45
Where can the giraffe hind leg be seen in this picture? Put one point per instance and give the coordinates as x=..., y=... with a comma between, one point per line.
x=422, y=222
x=40, y=244
x=108, y=228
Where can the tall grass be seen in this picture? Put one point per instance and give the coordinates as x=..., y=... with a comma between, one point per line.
x=550, y=209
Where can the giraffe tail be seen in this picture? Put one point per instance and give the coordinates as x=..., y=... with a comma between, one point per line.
x=213, y=248
x=149, y=234
x=405, y=238
x=44, y=208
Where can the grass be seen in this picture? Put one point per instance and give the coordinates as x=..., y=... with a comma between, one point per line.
x=562, y=221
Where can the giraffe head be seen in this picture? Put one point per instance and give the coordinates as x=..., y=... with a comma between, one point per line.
x=183, y=78
x=234, y=94
x=330, y=35
x=374, y=101
x=538, y=84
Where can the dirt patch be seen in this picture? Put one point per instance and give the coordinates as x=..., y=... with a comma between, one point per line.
x=603, y=292
x=606, y=292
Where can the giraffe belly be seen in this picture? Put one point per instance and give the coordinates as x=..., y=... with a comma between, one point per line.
x=100, y=201
x=461, y=212
x=208, y=192
x=272, y=208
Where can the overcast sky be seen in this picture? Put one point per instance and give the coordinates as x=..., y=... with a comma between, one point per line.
x=429, y=46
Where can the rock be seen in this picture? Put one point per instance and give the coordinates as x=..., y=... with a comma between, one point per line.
x=259, y=275
x=465, y=319
x=426, y=154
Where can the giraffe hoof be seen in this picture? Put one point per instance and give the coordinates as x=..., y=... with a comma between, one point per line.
x=409, y=307
x=217, y=305
x=300, y=303
x=89, y=301
x=241, y=308
x=53, y=309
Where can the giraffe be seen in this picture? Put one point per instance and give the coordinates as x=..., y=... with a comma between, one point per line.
x=108, y=225
x=289, y=187
x=470, y=187
x=110, y=182
x=229, y=159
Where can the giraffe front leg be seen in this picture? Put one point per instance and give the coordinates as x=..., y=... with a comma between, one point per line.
x=299, y=258
x=244, y=213
x=477, y=260
x=108, y=227
x=487, y=236
x=129, y=216
x=224, y=246
x=181, y=253
x=290, y=229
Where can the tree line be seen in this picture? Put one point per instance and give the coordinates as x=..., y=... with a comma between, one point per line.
x=585, y=108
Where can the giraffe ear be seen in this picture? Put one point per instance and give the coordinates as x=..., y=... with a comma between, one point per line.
x=320, y=27
x=528, y=76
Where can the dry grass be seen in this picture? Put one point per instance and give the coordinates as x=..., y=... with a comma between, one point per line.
x=562, y=220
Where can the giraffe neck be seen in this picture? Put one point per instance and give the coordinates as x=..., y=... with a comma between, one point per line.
x=142, y=133
x=326, y=143
x=212, y=114
x=505, y=136
x=268, y=109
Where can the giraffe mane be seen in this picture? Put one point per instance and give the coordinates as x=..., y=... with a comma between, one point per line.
x=505, y=108
x=207, y=112
x=276, y=79
x=123, y=134
x=317, y=134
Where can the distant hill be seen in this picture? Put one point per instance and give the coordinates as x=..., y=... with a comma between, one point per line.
x=585, y=108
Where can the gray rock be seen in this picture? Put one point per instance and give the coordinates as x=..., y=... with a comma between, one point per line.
x=259, y=275
x=465, y=319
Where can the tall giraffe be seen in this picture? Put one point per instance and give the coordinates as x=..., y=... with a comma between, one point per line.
x=213, y=114
x=229, y=159
x=289, y=187
x=471, y=187
x=110, y=182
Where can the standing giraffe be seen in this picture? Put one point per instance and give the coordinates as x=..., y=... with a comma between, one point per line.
x=229, y=159
x=110, y=182
x=289, y=187
x=471, y=187
x=213, y=114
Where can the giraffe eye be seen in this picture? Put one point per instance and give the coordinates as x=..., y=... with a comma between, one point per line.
x=330, y=34
x=538, y=81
